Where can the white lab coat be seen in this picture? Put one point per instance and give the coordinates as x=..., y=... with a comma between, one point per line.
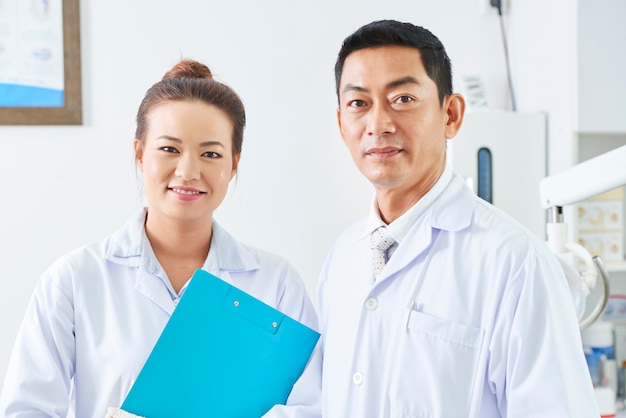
x=97, y=312
x=471, y=317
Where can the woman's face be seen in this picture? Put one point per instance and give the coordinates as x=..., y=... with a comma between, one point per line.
x=186, y=159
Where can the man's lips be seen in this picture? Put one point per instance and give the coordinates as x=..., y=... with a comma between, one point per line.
x=382, y=152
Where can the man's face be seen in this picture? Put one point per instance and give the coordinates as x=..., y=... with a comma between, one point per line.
x=391, y=120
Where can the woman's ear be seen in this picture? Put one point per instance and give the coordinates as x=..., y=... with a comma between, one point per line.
x=455, y=110
x=236, y=159
x=138, y=154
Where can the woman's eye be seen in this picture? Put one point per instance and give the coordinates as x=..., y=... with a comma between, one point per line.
x=211, y=154
x=169, y=149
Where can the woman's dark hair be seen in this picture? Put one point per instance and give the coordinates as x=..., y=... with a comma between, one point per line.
x=191, y=80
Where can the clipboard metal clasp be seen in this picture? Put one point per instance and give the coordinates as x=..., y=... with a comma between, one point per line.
x=258, y=314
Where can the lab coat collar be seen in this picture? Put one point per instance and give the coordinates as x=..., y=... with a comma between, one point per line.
x=451, y=211
x=125, y=244
x=227, y=255
x=129, y=246
x=454, y=209
x=399, y=228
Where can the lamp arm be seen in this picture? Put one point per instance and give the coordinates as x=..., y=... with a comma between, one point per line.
x=599, y=309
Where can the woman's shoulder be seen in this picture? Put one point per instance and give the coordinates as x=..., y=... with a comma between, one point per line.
x=84, y=257
x=238, y=254
x=96, y=257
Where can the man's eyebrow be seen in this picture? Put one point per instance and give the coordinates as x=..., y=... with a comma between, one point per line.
x=402, y=81
x=179, y=141
x=353, y=87
x=393, y=84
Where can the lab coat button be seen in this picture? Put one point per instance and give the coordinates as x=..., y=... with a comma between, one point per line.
x=371, y=304
x=357, y=378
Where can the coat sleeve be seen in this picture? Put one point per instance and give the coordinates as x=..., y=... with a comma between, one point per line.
x=41, y=367
x=537, y=366
x=305, y=399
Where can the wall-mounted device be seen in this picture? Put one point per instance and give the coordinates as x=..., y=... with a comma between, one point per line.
x=582, y=181
x=502, y=155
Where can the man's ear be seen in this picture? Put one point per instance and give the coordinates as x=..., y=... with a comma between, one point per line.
x=455, y=110
x=339, y=124
x=138, y=154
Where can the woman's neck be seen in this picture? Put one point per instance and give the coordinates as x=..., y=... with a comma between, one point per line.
x=181, y=247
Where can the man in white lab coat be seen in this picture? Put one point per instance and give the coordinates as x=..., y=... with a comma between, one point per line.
x=470, y=315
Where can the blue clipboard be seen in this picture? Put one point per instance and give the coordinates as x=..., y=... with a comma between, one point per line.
x=223, y=353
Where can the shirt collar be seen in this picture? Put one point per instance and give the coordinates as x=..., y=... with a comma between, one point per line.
x=399, y=228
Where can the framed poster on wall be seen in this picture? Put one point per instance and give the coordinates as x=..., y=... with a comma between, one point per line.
x=40, y=75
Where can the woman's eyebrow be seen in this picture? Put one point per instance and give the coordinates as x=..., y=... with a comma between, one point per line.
x=179, y=141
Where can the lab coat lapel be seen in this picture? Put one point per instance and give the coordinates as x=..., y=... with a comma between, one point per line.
x=129, y=247
x=153, y=288
x=417, y=241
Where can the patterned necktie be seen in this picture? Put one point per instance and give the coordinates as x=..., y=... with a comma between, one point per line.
x=381, y=241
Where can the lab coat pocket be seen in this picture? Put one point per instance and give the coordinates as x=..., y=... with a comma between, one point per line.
x=434, y=368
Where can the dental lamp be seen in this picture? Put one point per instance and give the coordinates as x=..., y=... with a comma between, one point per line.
x=584, y=180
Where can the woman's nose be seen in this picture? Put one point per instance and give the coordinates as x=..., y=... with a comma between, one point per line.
x=188, y=168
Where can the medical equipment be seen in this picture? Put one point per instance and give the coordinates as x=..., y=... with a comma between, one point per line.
x=589, y=178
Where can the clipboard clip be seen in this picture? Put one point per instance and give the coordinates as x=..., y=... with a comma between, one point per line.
x=249, y=309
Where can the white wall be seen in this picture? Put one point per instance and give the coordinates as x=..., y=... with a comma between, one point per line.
x=543, y=39
x=297, y=188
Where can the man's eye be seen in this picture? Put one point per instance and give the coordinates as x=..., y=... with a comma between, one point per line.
x=405, y=99
x=211, y=154
x=169, y=149
x=356, y=103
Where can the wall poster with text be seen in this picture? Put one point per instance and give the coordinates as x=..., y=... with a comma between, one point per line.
x=40, y=79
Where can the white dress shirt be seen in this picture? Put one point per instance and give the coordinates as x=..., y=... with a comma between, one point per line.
x=97, y=312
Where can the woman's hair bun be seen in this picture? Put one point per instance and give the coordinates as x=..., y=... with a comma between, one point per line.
x=188, y=68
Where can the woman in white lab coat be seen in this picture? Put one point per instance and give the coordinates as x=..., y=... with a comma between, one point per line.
x=97, y=312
